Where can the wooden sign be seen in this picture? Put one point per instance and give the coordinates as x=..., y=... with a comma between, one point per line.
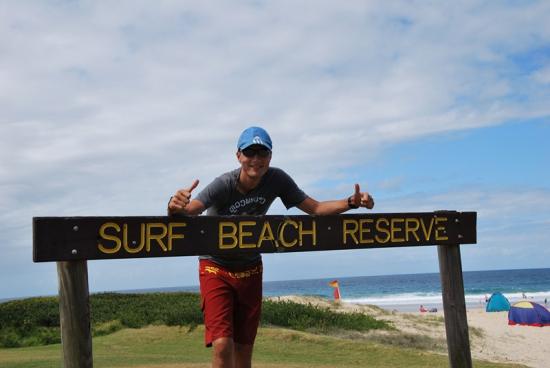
x=83, y=238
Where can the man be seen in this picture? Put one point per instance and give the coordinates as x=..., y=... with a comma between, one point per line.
x=231, y=286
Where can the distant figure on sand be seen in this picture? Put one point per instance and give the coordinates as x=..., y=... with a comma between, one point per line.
x=523, y=296
x=422, y=309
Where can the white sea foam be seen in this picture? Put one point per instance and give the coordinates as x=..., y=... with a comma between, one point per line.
x=436, y=298
x=397, y=299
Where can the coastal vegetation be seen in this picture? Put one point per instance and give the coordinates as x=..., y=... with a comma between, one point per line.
x=35, y=321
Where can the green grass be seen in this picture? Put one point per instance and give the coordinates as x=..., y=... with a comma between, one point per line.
x=162, y=346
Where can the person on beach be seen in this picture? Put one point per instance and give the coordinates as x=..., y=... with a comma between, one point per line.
x=231, y=286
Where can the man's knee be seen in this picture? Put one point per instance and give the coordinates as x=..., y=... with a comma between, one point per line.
x=223, y=348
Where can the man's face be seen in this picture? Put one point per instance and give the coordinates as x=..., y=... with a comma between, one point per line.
x=254, y=160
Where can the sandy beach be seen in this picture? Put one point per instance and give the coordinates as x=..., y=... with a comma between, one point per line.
x=491, y=338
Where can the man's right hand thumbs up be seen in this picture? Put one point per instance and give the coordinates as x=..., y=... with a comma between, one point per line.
x=181, y=198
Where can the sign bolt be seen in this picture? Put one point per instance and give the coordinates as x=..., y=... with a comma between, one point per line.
x=74, y=252
x=75, y=228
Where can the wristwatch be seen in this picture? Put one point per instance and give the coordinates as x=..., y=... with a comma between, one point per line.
x=351, y=204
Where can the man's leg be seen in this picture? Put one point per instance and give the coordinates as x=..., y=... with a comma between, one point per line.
x=217, y=308
x=247, y=316
x=223, y=353
x=243, y=355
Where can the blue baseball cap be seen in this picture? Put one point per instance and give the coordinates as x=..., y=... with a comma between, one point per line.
x=254, y=135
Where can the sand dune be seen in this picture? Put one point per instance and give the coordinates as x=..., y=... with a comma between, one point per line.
x=491, y=338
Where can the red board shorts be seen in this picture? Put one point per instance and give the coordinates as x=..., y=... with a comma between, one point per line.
x=231, y=301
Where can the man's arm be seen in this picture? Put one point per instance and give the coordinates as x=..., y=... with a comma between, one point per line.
x=334, y=207
x=181, y=202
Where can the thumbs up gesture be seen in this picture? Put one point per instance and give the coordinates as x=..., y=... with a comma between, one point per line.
x=181, y=199
x=361, y=199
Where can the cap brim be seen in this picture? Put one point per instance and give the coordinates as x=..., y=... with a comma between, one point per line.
x=254, y=144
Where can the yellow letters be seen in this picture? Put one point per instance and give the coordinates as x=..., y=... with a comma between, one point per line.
x=312, y=232
x=281, y=233
x=266, y=234
x=105, y=236
x=412, y=229
x=379, y=230
x=125, y=239
x=382, y=230
x=232, y=235
x=438, y=236
x=427, y=232
x=171, y=235
x=157, y=237
x=243, y=233
x=350, y=231
x=395, y=228
x=148, y=232
x=365, y=229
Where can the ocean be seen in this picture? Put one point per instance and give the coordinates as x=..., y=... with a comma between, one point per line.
x=408, y=292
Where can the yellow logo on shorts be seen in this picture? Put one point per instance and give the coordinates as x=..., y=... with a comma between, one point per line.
x=211, y=269
x=245, y=274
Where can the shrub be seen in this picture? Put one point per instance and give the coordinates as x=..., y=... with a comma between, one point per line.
x=106, y=328
x=308, y=317
x=35, y=321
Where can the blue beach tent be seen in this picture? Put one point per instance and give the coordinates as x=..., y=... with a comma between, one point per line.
x=497, y=303
x=528, y=314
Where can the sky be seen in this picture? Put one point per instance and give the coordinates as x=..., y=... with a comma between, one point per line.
x=107, y=108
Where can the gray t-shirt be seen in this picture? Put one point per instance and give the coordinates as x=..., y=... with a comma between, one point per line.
x=221, y=197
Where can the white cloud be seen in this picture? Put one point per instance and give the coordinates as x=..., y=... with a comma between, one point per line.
x=542, y=75
x=495, y=207
x=107, y=108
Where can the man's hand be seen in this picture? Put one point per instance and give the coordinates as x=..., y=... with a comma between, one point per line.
x=181, y=199
x=363, y=199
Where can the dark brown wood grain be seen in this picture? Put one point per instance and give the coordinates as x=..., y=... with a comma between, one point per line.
x=83, y=238
x=74, y=313
x=454, y=306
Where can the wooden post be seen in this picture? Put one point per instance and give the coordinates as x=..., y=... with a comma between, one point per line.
x=74, y=312
x=454, y=306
